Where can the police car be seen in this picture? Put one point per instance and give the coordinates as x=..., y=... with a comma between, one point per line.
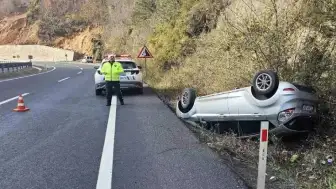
x=130, y=80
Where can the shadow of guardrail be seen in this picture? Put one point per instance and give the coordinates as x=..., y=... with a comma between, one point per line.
x=14, y=65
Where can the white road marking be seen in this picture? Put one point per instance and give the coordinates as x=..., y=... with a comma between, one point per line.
x=11, y=99
x=54, y=68
x=40, y=69
x=79, y=72
x=79, y=67
x=63, y=79
x=106, y=163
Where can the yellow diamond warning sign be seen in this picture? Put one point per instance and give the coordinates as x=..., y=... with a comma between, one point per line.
x=144, y=53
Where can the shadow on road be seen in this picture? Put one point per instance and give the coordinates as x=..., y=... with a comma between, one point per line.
x=147, y=91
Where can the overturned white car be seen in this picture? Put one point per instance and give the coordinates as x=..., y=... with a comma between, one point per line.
x=290, y=108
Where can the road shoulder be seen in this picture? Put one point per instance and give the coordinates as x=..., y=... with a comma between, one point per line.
x=242, y=169
x=155, y=150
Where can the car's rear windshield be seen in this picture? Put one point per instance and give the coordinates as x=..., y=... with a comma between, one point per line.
x=128, y=64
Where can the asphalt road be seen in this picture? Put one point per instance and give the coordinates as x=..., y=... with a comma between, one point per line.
x=60, y=142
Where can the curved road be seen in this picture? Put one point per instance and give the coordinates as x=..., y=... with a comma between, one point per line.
x=59, y=143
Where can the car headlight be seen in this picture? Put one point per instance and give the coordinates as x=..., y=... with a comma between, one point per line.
x=286, y=114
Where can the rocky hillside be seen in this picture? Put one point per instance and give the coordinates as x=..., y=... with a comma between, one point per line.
x=59, y=23
x=9, y=7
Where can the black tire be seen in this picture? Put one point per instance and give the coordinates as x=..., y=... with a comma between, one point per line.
x=187, y=100
x=140, y=91
x=265, y=82
x=98, y=92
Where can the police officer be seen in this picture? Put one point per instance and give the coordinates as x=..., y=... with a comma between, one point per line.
x=112, y=71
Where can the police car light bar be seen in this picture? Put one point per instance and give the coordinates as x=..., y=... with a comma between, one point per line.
x=124, y=55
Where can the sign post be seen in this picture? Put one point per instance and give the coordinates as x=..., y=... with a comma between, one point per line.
x=262, y=154
x=144, y=53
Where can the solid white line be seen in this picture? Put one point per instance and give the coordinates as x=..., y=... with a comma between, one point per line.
x=54, y=68
x=63, y=79
x=81, y=68
x=40, y=69
x=11, y=99
x=106, y=163
x=79, y=72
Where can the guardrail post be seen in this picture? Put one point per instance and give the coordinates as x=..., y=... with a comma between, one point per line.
x=14, y=65
x=262, y=155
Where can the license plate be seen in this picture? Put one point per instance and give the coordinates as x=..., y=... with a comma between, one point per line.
x=308, y=108
x=126, y=78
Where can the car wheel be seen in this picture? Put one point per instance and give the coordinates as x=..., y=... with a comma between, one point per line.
x=187, y=99
x=265, y=82
x=98, y=92
x=140, y=91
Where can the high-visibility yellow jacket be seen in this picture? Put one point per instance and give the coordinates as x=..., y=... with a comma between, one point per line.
x=112, y=71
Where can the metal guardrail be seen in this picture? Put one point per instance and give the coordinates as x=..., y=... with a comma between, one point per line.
x=14, y=66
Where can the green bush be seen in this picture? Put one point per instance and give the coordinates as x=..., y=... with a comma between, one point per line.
x=52, y=26
x=33, y=11
x=143, y=11
x=203, y=17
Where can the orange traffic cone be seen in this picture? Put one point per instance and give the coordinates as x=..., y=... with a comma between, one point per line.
x=20, y=106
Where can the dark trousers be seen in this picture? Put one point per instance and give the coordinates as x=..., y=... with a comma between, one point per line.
x=113, y=87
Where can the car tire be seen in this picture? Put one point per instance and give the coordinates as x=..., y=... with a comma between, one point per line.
x=140, y=91
x=265, y=82
x=98, y=92
x=187, y=100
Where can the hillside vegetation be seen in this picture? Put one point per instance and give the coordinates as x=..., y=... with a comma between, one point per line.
x=211, y=45
x=217, y=45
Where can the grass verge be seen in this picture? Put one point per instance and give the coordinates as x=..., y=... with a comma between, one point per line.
x=305, y=162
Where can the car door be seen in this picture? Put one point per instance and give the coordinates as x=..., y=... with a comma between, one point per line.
x=212, y=107
x=242, y=106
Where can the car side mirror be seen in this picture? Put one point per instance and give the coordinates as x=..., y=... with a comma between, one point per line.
x=96, y=67
x=99, y=72
x=140, y=67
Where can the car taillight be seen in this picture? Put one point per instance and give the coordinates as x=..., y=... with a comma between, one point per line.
x=286, y=114
x=288, y=89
